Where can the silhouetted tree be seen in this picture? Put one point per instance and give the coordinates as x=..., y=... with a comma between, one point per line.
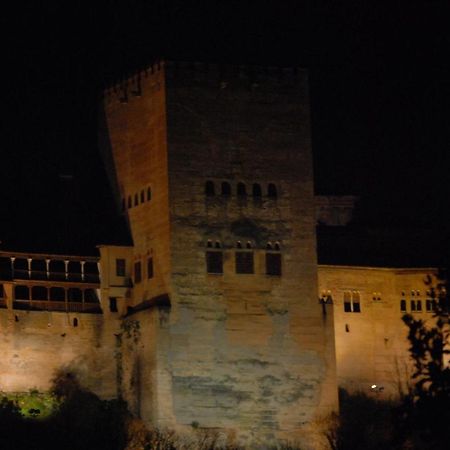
x=427, y=408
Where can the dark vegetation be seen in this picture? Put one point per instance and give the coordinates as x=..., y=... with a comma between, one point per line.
x=81, y=421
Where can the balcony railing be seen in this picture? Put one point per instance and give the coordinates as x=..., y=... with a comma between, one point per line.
x=61, y=306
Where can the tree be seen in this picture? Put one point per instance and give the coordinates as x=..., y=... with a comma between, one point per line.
x=427, y=407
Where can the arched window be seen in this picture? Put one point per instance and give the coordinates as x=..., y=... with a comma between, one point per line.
x=136, y=199
x=142, y=196
x=238, y=244
x=218, y=244
x=352, y=301
x=209, y=244
x=209, y=189
x=272, y=190
x=403, y=305
x=75, y=322
x=257, y=192
x=269, y=246
x=226, y=189
x=249, y=244
x=277, y=246
x=149, y=194
x=129, y=202
x=241, y=190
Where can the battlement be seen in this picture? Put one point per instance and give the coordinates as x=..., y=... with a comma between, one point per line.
x=219, y=74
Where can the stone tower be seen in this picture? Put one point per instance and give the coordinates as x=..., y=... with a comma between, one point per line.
x=213, y=170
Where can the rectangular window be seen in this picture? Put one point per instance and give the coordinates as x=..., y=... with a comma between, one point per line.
x=120, y=267
x=273, y=264
x=137, y=272
x=214, y=262
x=403, y=305
x=244, y=262
x=150, y=268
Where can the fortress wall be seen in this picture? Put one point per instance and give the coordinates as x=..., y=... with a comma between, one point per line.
x=136, y=124
x=252, y=352
x=35, y=345
x=372, y=346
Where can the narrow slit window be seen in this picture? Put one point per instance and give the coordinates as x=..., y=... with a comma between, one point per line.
x=241, y=190
x=226, y=189
x=129, y=202
x=137, y=272
x=150, y=267
x=272, y=190
x=142, y=196
x=209, y=189
x=136, y=200
x=149, y=194
x=120, y=267
x=257, y=192
x=113, y=304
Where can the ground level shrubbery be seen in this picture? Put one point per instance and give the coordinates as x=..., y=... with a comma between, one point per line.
x=72, y=418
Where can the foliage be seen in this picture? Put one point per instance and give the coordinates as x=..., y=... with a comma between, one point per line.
x=427, y=408
x=33, y=403
x=364, y=423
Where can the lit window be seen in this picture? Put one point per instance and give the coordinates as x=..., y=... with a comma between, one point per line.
x=244, y=262
x=120, y=267
x=214, y=262
x=137, y=272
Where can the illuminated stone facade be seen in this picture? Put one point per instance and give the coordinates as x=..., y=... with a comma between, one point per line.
x=230, y=230
x=218, y=315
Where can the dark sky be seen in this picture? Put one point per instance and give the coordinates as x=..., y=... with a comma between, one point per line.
x=380, y=93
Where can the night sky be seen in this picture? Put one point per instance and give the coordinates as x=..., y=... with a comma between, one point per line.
x=380, y=94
